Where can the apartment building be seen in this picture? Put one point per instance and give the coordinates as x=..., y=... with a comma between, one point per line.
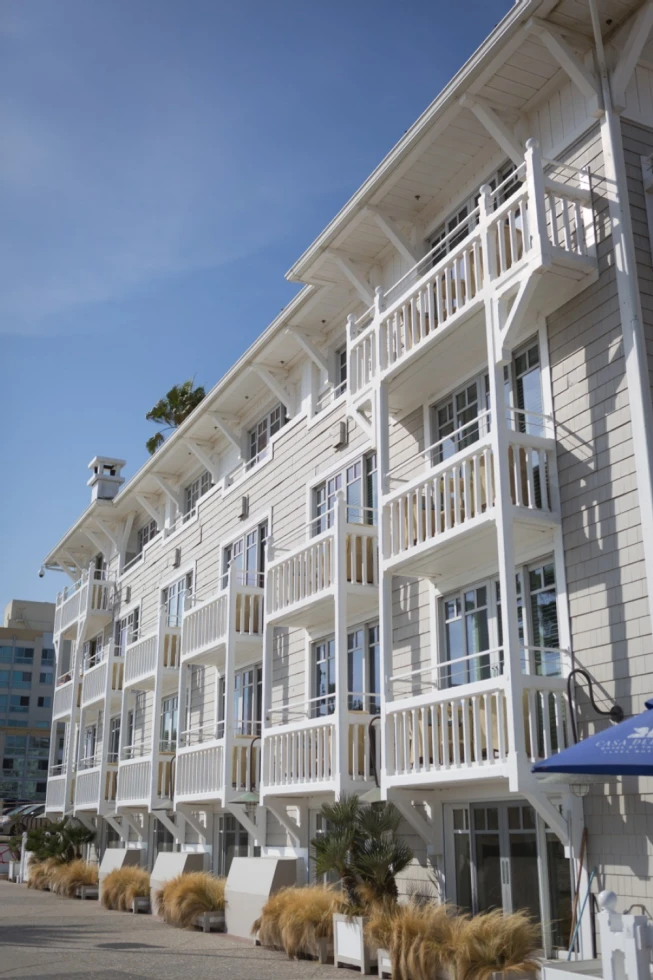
x=368, y=561
x=26, y=690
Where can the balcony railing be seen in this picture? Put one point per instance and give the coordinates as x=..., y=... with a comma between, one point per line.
x=91, y=593
x=55, y=794
x=529, y=214
x=308, y=572
x=94, y=681
x=461, y=490
x=87, y=787
x=206, y=623
x=199, y=771
x=304, y=753
x=62, y=703
x=134, y=781
x=141, y=656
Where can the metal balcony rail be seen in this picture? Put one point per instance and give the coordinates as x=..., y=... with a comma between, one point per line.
x=64, y=678
x=323, y=705
x=90, y=762
x=329, y=394
x=136, y=751
x=461, y=438
x=58, y=770
x=195, y=736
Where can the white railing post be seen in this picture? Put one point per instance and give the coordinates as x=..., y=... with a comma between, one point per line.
x=378, y=360
x=537, y=221
x=351, y=367
x=229, y=681
x=340, y=762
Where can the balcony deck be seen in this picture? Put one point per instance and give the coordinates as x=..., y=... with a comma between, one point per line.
x=90, y=598
x=95, y=678
x=544, y=228
x=300, y=757
x=90, y=795
x=145, y=780
x=206, y=626
x=64, y=702
x=142, y=660
x=200, y=769
x=301, y=585
x=458, y=732
x=55, y=794
x=431, y=519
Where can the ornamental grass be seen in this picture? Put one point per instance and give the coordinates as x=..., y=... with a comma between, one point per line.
x=297, y=919
x=67, y=878
x=494, y=942
x=40, y=873
x=122, y=885
x=183, y=898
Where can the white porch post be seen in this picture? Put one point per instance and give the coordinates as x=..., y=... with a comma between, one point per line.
x=341, y=760
x=229, y=684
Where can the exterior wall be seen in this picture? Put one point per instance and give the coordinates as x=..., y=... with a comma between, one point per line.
x=601, y=527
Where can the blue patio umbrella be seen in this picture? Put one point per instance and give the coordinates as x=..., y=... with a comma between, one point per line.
x=625, y=749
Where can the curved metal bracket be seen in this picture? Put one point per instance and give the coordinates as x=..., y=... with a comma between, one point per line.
x=615, y=713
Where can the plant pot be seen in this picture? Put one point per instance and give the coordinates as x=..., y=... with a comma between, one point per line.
x=324, y=950
x=384, y=962
x=87, y=891
x=141, y=904
x=207, y=921
x=349, y=946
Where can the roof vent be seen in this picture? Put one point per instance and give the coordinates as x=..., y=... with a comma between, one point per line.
x=106, y=480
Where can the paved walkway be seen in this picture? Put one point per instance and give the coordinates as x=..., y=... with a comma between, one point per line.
x=43, y=935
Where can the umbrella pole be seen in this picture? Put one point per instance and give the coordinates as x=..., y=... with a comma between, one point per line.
x=583, y=845
x=580, y=917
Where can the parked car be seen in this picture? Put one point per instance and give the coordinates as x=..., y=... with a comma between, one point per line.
x=20, y=818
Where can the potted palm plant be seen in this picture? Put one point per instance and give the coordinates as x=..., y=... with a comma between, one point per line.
x=360, y=846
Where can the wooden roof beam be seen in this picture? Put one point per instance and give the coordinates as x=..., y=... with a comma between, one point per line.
x=150, y=508
x=309, y=348
x=199, y=451
x=224, y=425
x=395, y=236
x=583, y=78
x=353, y=273
x=500, y=132
x=630, y=54
x=275, y=385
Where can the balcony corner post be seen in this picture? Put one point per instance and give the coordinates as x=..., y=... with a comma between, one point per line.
x=385, y=637
x=268, y=663
x=229, y=681
x=352, y=384
x=537, y=229
x=488, y=241
x=341, y=759
x=377, y=354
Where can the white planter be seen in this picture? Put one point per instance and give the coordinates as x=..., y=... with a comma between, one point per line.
x=349, y=946
x=385, y=965
x=207, y=921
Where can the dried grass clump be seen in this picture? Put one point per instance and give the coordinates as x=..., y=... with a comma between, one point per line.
x=185, y=897
x=40, y=873
x=296, y=919
x=420, y=937
x=122, y=885
x=496, y=942
x=67, y=878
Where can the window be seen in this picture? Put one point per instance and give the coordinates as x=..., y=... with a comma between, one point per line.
x=341, y=371
x=174, y=597
x=41, y=788
x=169, y=718
x=473, y=634
x=126, y=631
x=46, y=677
x=18, y=703
x=195, y=490
x=23, y=655
x=38, y=745
x=114, y=739
x=44, y=702
x=47, y=656
x=93, y=651
x=146, y=533
x=8, y=765
x=6, y=655
x=90, y=741
x=21, y=678
x=15, y=743
x=246, y=556
x=259, y=437
x=455, y=422
x=4, y=678
x=21, y=723
x=359, y=483
x=363, y=672
x=247, y=704
x=42, y=724
x=465, y=218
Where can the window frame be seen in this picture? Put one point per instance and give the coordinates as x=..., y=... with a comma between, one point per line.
x=323, y=493
x=145, y=534
x=238, y=548
x=194, y=491
x=264, y=429
x=371, y=671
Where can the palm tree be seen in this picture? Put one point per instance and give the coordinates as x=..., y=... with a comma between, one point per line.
x=362, y=847
x=171, y=411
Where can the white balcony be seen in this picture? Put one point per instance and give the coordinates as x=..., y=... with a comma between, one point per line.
x=236, y=612
x=55, y=794
x=95, y=787
x=302, y=756
x=142, y=659
x=64, y=696
x=544, y=226
x=135, y=782
x=98, y=675
x=458, y=730
x=302, y=583
x=433, y=515
x=90, y=597
x=216, y=769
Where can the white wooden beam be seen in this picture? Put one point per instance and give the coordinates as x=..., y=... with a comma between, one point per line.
x=353, y=273
x=110, y=532
x=500, y=132
x=415, y=819
x=117, y=826
x=364, y=423
x=130, y=822
x=318, y=358
x=549, y=813
x=150, y=508
x=520, y=307
x=95, y=541
x=584, y=79
x=171, y=492
x=170, y=826
x=127, y=530
x=192, y=822
x=395, y=236
x=224, y=425
x=75, y=562
x=275, y=386
x=630, y=53
x=238, y=811
x=204, y=457
x=286, y=821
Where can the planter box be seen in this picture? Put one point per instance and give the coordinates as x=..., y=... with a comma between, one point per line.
x=87, y=891
x=208, y=921
x=141, y=904
x=325, y=950
x=349, y=946
x=383, y=959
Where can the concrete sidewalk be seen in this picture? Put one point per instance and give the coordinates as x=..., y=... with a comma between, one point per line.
x=43, y=935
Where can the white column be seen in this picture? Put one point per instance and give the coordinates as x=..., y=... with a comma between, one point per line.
x=341, y=760
x=229, y=685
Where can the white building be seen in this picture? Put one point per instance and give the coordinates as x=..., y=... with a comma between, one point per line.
x=397, y=522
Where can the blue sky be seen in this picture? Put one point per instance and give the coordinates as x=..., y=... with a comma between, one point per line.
x=163, y=164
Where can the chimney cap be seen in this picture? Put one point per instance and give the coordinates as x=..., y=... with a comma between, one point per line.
x=111, y=462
